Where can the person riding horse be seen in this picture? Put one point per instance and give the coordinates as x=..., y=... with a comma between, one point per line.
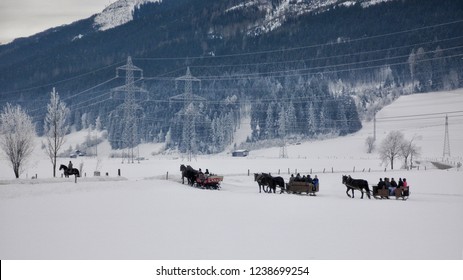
x=69, y=171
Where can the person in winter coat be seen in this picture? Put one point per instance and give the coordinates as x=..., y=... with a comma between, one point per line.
x=387, y=184
x=315, y=183
x=381, y=185
x=405, y=186
x=393, y=187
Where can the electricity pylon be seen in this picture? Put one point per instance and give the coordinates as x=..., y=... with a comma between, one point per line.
x=189, y=112
x=128, y=109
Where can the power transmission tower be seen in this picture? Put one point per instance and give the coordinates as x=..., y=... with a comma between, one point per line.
x=189, y=112
x=128, y=110
x=446, y=139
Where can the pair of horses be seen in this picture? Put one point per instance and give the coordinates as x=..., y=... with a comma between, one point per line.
x=190, y=173
x=356, y=184
x=267, y=180
x=69, y=171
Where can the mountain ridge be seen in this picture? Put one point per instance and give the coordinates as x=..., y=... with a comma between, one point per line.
x=314, y=62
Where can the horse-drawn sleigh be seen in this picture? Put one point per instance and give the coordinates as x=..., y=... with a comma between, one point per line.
x=269, y=183
x=302, y=187
x=378, y=193
x=198, y=179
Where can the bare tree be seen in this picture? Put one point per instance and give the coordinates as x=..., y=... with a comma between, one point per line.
x=370, y=143
x=409, y=150
x=17, y=134
x=55, y=127
x=391, y=147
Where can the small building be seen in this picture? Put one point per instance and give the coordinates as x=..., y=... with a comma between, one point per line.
x=240, y=153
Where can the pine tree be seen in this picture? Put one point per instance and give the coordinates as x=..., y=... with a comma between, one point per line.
x=282, y=122
x=291, y=120
x=270, y=122
x=311, y=120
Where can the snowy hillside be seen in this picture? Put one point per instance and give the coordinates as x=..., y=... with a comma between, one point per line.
x=277, y=14
x=148, y=214
x=121, y=12
x=118, y=13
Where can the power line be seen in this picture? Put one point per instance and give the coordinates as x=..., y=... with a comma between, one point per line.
x=328, y=57
x=304, y=47
x=63, y=80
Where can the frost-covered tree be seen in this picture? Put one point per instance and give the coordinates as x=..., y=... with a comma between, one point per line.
x=311, y=120
x=291, y=119
x=409, y=150
x=17, y=134
x=98, y=125
x=370, y=143
x=282, y=122
x=55, y=127
x=412, y=65
x=391, y=146
x=270, y=122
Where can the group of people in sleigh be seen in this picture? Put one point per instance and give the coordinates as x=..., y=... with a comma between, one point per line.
x=392, y=187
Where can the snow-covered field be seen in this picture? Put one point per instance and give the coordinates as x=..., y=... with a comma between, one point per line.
x=148, y=214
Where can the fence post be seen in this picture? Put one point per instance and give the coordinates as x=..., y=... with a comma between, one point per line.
x=288, y=171
x=278, y=171
x=75, y=178
x=323, y=170
x=119, y=172
x=332, y=170
x=310, y=170
x=248, y=172
x=353, y=170
x=167, y=175
x=296, y=171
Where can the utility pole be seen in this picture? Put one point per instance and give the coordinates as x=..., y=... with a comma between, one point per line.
x=446, y=139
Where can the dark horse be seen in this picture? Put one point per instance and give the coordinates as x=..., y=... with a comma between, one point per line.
x=355, y=184
x=278, y=181
x=265, y=179
x=67, y=171
x=189, y=173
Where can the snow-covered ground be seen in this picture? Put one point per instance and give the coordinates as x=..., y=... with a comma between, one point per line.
x=148, y=214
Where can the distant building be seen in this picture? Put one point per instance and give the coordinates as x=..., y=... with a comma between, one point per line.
x=240, y=153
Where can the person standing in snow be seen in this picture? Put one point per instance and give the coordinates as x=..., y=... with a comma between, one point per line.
x=315, y=183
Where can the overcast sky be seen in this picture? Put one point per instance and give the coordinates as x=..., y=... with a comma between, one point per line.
x=22, y=18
